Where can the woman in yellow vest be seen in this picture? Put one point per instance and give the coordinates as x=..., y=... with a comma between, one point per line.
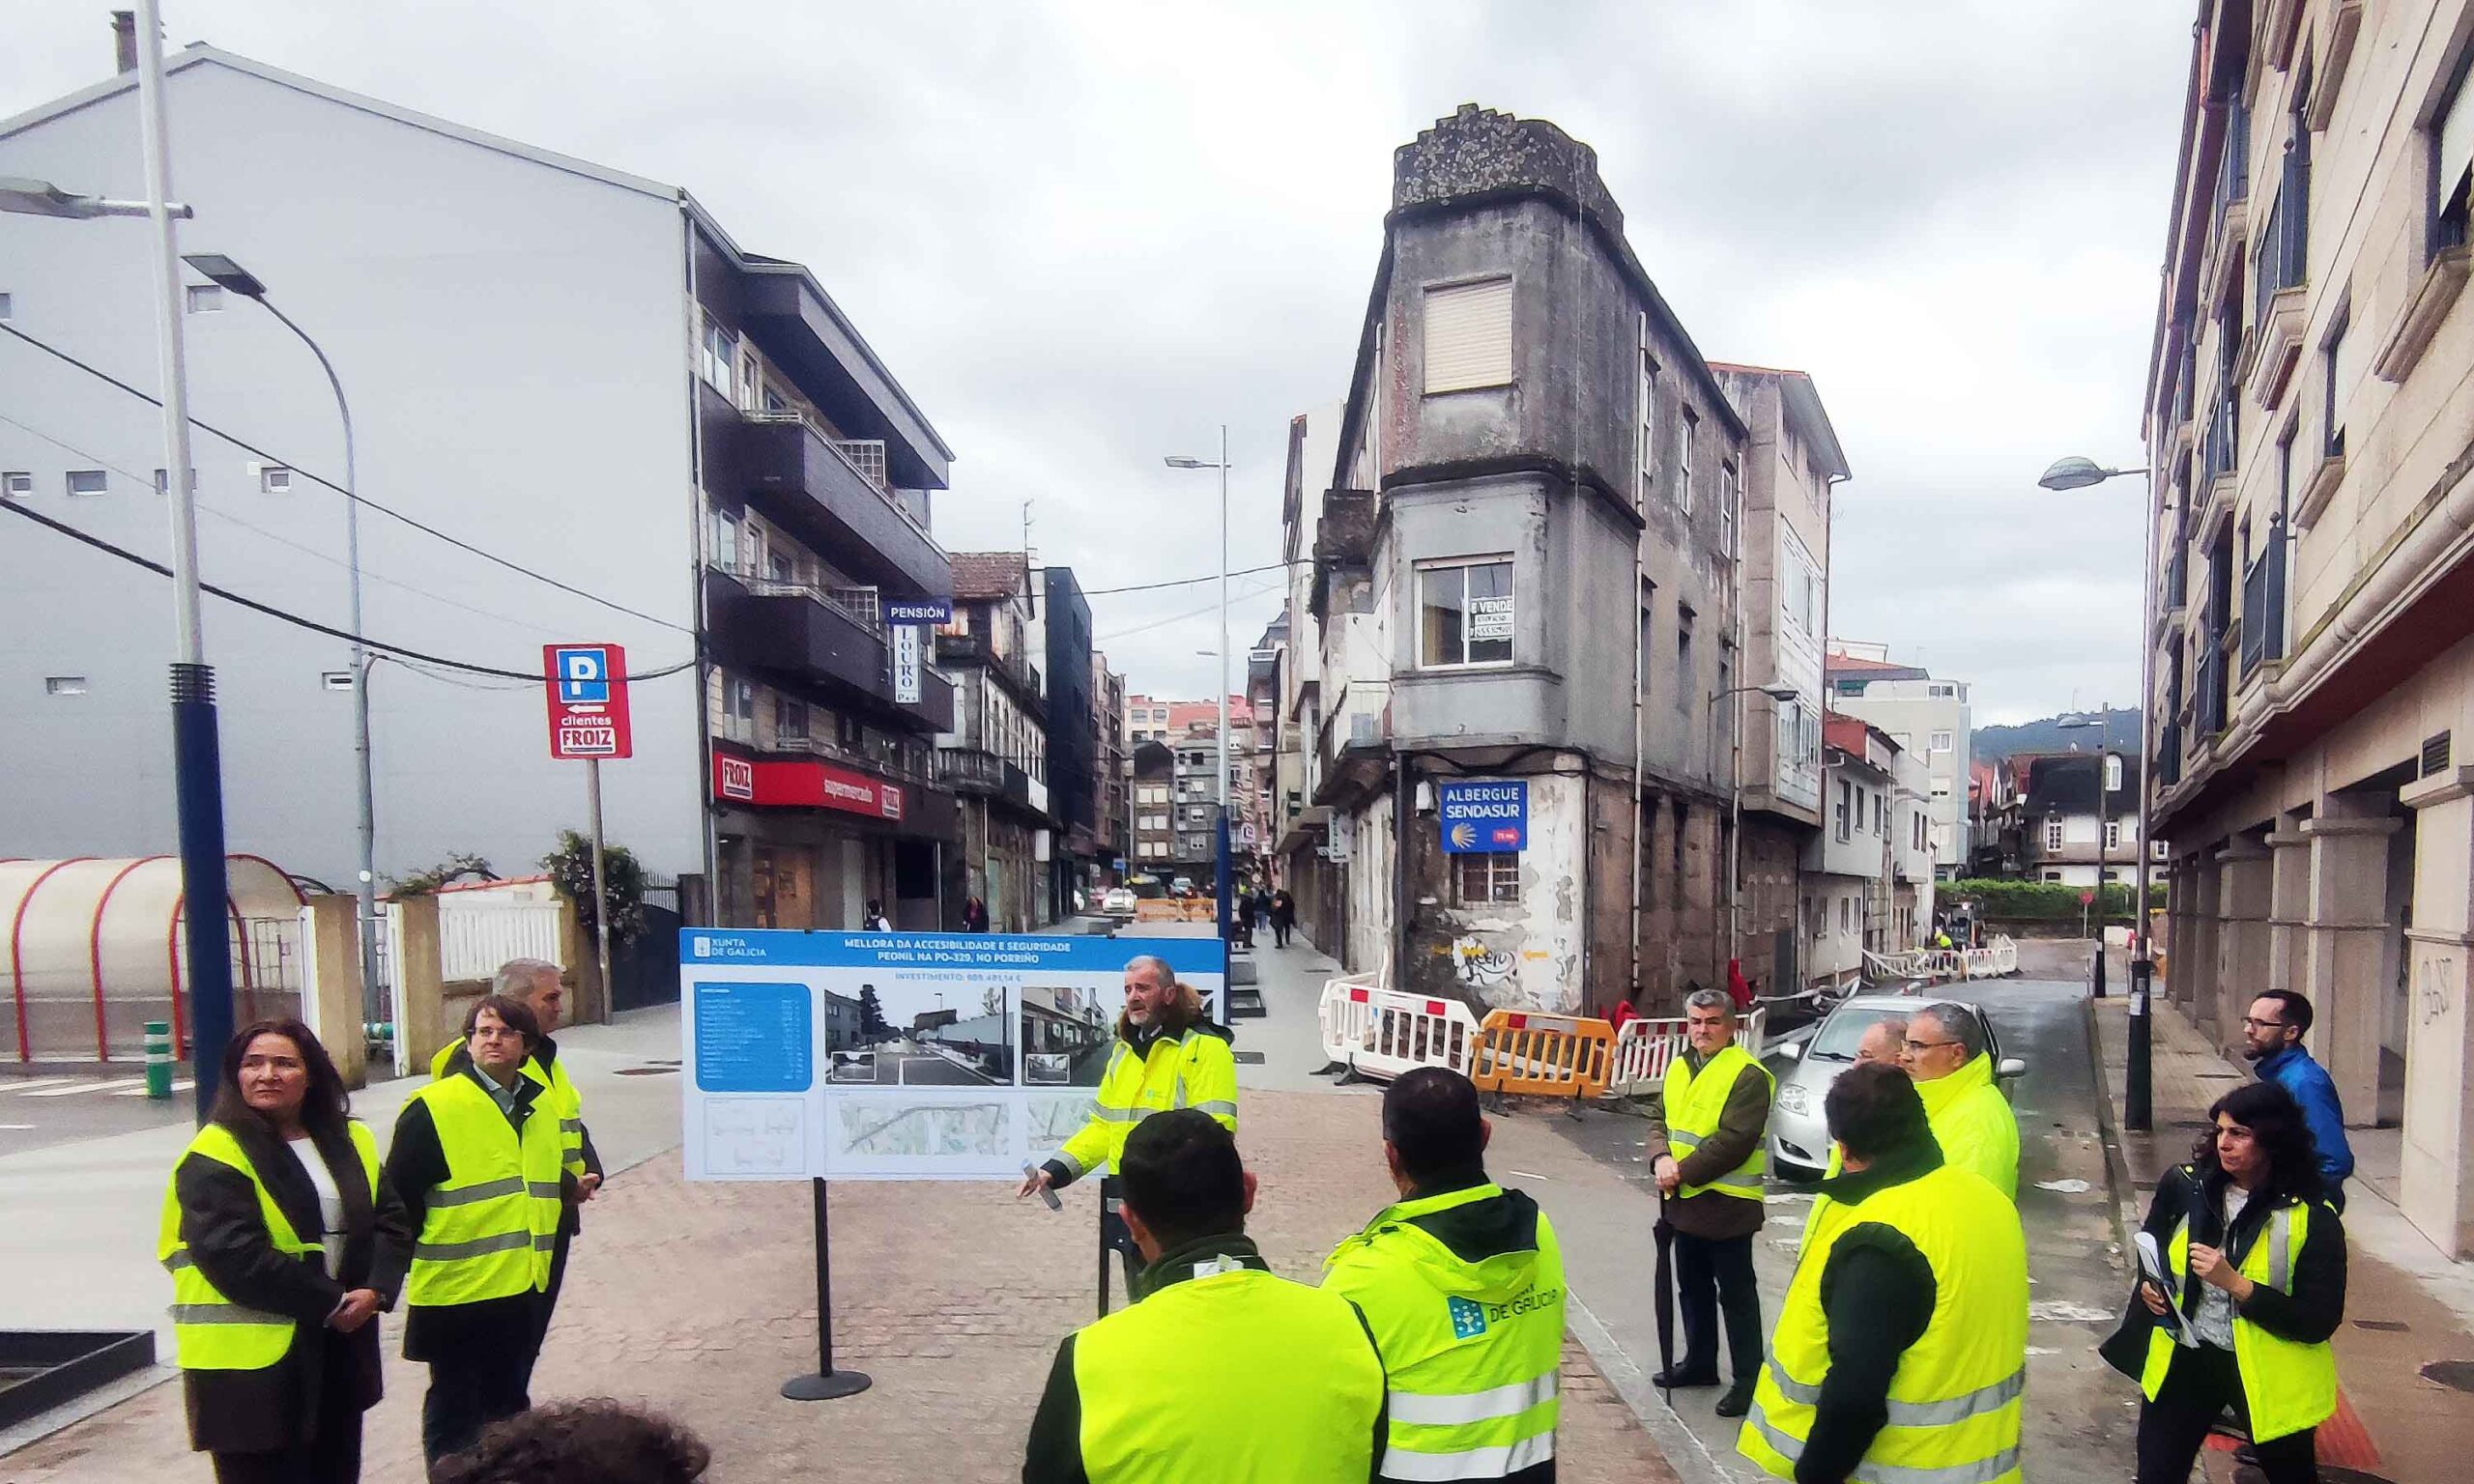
x=2259, y=1258
x=285, y=1241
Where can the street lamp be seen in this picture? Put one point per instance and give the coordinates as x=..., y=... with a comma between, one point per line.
x=2075, y=472
x=197, y=754
x=1219, y=848
x=2104, y=821
x=1775, y=690
x=225, y=274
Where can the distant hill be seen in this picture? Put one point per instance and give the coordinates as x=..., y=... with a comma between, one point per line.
x=2049, y=735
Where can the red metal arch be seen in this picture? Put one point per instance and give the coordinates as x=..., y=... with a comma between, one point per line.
x=17, y=957
x=95, y=947
x=280, y=875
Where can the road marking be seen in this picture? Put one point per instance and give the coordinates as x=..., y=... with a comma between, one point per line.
x=88, y=1086
x=33, y=1083
x=15, y=1127
x=140, y=1091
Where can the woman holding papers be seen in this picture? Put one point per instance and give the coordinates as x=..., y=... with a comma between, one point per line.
x=2255, y=1260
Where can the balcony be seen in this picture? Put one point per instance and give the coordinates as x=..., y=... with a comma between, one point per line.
x=2277, y=279
x=1019, y=673
x=828, y=492
x=2211, y=697
x=2263, y=605
x=2169, y=754
x=809, y=638
x=973, y=771
x=2217, y=456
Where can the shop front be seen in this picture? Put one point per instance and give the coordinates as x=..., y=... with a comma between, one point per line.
x=801, y=843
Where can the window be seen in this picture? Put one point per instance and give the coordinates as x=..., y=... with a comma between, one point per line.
x=1730, y=494
x=1683, y=687
x=790, y=716
x=86, y=481
x=2112, y=773
x=1941, y=741
x=1465, y=614
x=1469, y=335
x=64, y=685
x=2341, y=365
x=713, y=358
x=1941, y=692
x=1645, y=421
x=1481, y=878
x=7, y=308
x=17, y=484
x=274, y=479
x=1880, y=812
x=750, y=382
x=1684, y=461
x=206, y=298
x=334, y=679
x=2452, y=161
x=1846, y=807
x=2053, y=834
x=160, y=483
x=726, y=540
x=744, y=700
x=1846, y=913
x=2053, y=876
x=2113, y=833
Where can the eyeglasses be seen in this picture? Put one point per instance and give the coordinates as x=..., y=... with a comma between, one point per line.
x=2262, y=1025
x=1925, y=1045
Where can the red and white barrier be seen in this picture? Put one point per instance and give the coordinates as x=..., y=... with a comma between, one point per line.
x=1382, y=1033
x=1643, y=1048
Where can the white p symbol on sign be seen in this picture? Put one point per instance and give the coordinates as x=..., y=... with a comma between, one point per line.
x=584, y=678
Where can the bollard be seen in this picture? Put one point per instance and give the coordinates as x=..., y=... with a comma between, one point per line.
x=158, y=1061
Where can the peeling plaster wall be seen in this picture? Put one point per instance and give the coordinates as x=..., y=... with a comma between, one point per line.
x=1513, y=956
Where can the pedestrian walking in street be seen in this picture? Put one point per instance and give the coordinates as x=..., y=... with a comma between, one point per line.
x=1706, y=1153
x=477, y=1159
x=1283, y=917
x=592, y=1441
x=1945, y=1052
x=2259, y=1258
x=1461, y=1282
x=285, y=1239
x=1901, y=1350
x=537, y=983
x=1166, y=1055
x=2272, y=1035
x=1218, y=1370
x=975, y=914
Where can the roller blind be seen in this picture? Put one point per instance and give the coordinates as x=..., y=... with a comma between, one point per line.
x=1469, y=335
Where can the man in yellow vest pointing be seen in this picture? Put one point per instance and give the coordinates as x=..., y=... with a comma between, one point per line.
x=1901, y=1350
x=1705, y=1149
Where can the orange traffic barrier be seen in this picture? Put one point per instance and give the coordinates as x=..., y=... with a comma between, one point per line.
x=1548, y=1056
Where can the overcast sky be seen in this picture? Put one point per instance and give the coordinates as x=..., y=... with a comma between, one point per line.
x=1083, y=236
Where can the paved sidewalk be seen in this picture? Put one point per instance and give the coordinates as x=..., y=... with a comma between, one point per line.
x=700, y=1299
x=2406, y=1305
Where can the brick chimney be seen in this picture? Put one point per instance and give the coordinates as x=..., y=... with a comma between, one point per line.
x=124, y=39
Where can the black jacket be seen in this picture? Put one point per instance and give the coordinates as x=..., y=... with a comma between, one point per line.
x=416, y=1165
x=255, y=1412
x=1877, y=1293
x=2308, y=1314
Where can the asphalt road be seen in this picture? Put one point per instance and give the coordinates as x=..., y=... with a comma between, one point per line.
x=906, y=1064
x=2079, y=1416
x=60, y=1108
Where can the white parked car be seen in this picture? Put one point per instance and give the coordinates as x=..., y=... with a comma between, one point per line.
x=1798, y=1139
x=1117, y=902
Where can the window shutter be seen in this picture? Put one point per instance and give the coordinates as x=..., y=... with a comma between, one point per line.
x=1469, y=335
x=2455, y=132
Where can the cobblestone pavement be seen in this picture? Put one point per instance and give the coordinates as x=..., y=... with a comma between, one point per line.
x=699, y=1299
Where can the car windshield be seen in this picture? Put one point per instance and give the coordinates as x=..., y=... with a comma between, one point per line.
x=1835, y=1041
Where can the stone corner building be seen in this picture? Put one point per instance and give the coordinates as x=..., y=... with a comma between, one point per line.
x=1523, y=571
x=2310, y=424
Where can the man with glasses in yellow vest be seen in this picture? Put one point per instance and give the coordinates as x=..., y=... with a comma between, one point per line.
x=1705, y=1149
x=477, y=1159
x=1462, y=1283
x=1947, y=1052
x=1901, y=1350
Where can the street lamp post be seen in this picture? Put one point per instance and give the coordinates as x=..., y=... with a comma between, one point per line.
x=197, y=767
x=2075, y=472
x=1222, y=885
x=2103, y=824
x=1735, y=803
x=227, y=274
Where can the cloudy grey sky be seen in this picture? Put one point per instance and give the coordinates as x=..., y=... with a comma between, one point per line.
x=1085, y=235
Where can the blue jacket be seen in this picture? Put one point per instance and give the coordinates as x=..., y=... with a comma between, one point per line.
x=2294, y=1070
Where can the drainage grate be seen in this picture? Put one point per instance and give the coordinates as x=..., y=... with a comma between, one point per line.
x=1247, y=1058
x=2384, y=1326
x=645, y=1072
x=2458, y=1373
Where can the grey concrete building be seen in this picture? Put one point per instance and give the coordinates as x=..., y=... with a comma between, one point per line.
x=577, y=371
x=1062, y=633
x=1527, y=545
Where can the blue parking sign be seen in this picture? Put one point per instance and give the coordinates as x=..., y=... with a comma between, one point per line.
x=584, y=676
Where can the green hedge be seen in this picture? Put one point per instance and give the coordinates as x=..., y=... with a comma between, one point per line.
x=2041, y=900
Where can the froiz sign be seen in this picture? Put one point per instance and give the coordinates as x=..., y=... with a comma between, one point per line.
x=1484, y=814
x=587, y=696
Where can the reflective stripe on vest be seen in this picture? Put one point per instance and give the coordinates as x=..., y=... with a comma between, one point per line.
x=1693, y=1102
x=560, y=1098
x=1285, y=1386
x=1956, y=1398
x=2288, y=1384
x=487, y=1230
x=1472, y=1348
x=209, y=1332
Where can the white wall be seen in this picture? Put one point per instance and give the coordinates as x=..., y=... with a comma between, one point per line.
x=513, y=342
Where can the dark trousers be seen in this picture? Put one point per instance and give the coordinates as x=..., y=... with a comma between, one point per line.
x=1279, y=932
x=548, y=1302
x=1116, y=1238
x=2201, y=1384
x=1713, y=1277
x=469, y=1389
x=333, y=1453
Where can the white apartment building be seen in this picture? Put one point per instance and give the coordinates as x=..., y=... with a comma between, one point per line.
x=1923, y=715
x=1868, y=873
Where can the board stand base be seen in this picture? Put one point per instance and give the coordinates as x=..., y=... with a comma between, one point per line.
x=825, y=1387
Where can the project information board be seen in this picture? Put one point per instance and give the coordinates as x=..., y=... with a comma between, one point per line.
x=901, y=1055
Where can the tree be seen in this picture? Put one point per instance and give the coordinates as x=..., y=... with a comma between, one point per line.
x=872, y=1018
x=992, y=1003
x=426, y=881
x=570, y=869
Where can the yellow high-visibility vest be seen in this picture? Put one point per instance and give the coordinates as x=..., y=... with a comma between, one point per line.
x=561, y=1097
x=1191, y=1071
x=210, y=1332
x=1954, y=1401
x=1694, y=1101
x=487, y=1230
x=2289, y=1385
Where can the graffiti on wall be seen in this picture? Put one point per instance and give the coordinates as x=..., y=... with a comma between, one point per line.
x=2432, y=984
x=1482, y=967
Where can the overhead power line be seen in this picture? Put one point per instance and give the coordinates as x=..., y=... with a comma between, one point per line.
x=360, y=499
x=402, y=651
x=1187, y=582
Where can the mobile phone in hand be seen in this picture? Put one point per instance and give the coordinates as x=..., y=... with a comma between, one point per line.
x=1045, y=1194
